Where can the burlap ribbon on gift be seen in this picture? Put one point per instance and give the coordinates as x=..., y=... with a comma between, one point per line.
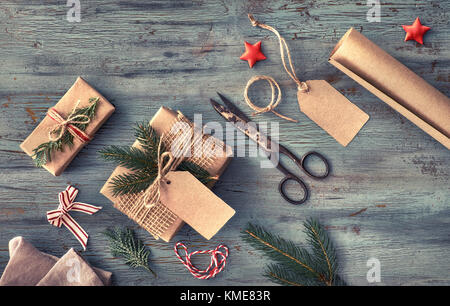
x=145, y=208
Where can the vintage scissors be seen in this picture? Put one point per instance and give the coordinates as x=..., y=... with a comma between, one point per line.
x=241, y=122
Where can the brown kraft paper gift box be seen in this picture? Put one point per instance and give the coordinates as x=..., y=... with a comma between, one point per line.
x=161, y=123
x=82, y=91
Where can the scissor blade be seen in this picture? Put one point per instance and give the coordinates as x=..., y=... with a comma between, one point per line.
x=222, y=110
x=248, y=128
x=232, y=107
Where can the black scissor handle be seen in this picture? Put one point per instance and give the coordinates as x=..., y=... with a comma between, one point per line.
x=309, y=172
x=299, y=182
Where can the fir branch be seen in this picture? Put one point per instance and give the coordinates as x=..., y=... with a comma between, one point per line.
x=283, y=276
x=280, y=250
x=148, y=139
x=143, y=162
x=129, y=157
x=124, y=244
x=42, y=154
x=201, y=174
x=132, y=182
x=322, y=248
x=296, y=265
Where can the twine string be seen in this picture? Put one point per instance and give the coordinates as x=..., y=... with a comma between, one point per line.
x=302, y=86
x=166, y=163
x=62, y=124
x=273, y=102
x=275, y=98
x=217, y=263
x=159, y=218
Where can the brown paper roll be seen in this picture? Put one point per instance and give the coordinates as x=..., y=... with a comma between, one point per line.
x=394, y=83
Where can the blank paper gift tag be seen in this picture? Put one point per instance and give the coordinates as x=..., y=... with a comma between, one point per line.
x=332, y=111
x=194, y=203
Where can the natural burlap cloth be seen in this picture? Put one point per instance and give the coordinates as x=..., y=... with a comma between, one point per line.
x=29, y=267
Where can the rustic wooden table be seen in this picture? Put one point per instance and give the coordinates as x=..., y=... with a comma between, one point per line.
x=387, y=197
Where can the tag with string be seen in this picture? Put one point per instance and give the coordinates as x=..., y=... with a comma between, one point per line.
x=317, y=99
x=185, y=195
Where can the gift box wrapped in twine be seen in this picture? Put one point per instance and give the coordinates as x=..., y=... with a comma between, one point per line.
x=80, y=91
x=157, y=219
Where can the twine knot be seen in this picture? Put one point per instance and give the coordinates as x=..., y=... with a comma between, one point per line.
x=62, y=125
x=166, y=163
x=254, y=22
x=302, y=87
x=275, y=99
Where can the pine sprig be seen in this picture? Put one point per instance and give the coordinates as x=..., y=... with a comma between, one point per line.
x=42, y=154
x=201, y=174
x=124, y=244
x=132, y=182
x=283, y=276
x=148, y=139
x=282, y=251
x=322, y=249
x=296, y=266
x=129, y=157
x=143, y=163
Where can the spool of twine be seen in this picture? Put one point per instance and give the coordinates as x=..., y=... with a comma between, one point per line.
x=290, y=70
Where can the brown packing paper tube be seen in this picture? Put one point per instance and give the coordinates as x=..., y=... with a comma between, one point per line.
x=394, y=83
x=82, y=91
x=161, y=123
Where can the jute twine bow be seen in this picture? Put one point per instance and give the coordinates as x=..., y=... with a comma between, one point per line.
x=166, y=163
x=301, y=86
x=62, y=125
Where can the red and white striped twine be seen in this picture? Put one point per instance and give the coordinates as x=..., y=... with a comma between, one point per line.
x=218, y=261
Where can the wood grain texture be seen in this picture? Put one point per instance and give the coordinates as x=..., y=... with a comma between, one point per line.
x=387, y=197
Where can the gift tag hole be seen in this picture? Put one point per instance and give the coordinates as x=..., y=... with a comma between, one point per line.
x=168, y=182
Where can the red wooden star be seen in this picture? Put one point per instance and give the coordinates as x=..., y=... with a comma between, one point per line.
x=252, y=53
x=415, y=31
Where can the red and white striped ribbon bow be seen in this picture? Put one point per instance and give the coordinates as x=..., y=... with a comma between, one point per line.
x=60, y=216
x=67, y=124
x=217, y=264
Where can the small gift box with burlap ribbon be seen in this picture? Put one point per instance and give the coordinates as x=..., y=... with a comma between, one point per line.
x=145, y=207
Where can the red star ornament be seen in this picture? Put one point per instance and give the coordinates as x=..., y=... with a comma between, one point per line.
x=415, y=31
x=252, y=53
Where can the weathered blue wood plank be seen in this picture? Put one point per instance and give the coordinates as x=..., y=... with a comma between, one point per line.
x=142, y=55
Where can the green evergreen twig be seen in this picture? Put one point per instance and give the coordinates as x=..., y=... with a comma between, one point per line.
x=124, y=244
x=296, y=266
x=131, y=158
x=42, y=154
x=132, y=182
x=143, y=163
x=148, y=139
